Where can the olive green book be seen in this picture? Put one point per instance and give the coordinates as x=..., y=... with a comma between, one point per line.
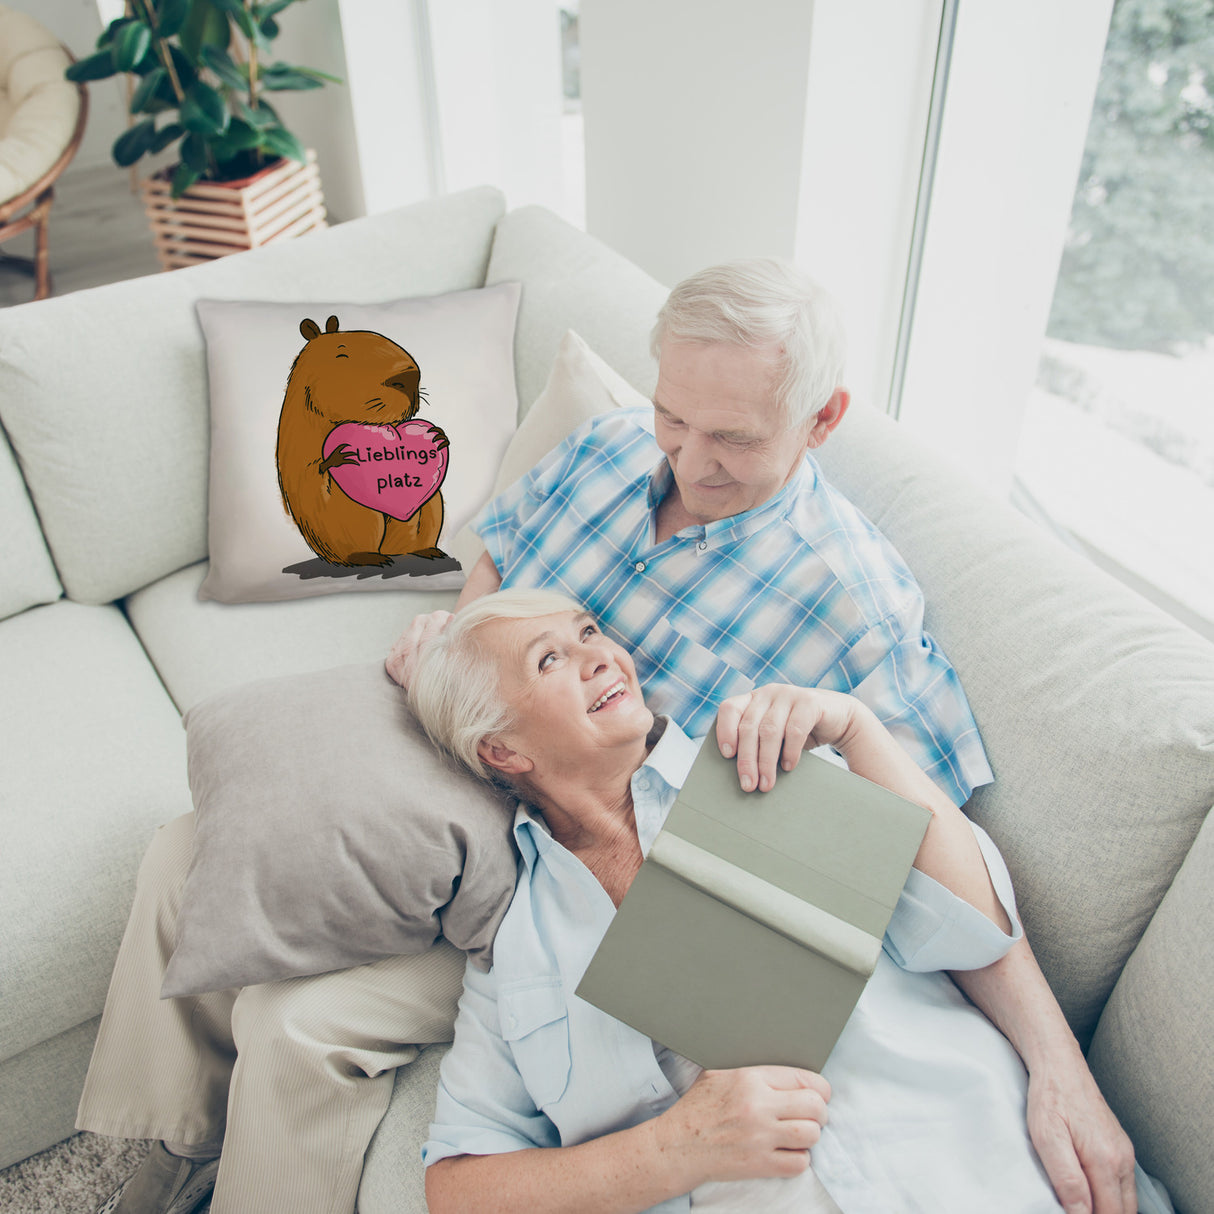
x=755, y=921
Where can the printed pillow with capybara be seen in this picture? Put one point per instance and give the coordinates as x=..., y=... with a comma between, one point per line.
x=351, y=442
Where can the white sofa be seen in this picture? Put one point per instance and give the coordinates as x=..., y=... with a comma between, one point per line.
x=1097, y=711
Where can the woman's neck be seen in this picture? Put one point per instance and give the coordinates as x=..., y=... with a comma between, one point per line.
x=591, y=814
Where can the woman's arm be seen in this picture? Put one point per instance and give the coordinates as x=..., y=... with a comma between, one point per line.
x=1086, y=1153
x=769, y=727
x=730, y=1125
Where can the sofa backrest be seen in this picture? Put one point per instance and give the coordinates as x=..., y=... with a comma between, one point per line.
x=103, y=393
x=572, y=281
x=1097, y=712
x=28, y=578
x=1095, y=708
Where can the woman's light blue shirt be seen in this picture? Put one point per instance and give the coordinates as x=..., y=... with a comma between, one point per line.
x=928, y=1104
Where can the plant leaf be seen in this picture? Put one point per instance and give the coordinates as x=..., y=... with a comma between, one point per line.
x=280, y=77
x=132, y=42
x=225, y=67
x=262, y=118
x=95, y=67
x=171, y=16
x=203, y=111
x=167, y=135
x=281, y=142
x=194, y=153
x=269, y=30
x=205, y=26
x=131, y=144
x=270, y=9
x=186, y=71
x=241, y=137
x=183, y=178
x=144, y=98
x=110, y=32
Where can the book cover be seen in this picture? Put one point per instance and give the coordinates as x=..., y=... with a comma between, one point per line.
x=755, y=921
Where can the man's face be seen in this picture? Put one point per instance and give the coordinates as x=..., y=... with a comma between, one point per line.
x=716, y=419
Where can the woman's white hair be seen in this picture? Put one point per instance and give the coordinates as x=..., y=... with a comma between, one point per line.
x=454, y=691
x=763, y=303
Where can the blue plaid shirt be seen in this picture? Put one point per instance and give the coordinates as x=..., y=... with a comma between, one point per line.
x=802, y=589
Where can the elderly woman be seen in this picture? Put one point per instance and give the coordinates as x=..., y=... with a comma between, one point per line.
x=547, y=1103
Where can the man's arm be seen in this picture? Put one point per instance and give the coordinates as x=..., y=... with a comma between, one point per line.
x=484, y=579
x=1087, y=1155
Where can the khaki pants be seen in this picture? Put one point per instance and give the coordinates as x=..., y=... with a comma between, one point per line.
x=293, y=1076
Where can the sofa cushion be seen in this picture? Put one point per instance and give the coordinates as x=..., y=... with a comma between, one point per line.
x=110, y=423
x=580, y=385
x=1096, y=709
x=200, y=648
x=329, y=833
x=1152, y=1054
x=29, y=573
x=572, y=281
x=463, y=344
x=93, y=760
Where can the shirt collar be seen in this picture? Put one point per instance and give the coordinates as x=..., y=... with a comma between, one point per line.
x=655, y=785
x=737, y=526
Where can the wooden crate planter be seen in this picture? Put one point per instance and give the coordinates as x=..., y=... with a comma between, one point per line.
x=215, y=218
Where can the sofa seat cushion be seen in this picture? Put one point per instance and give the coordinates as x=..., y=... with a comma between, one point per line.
x=393, y=1180
x=572, y=281
x=203, y=647
x=29, y=573
x=1096, y=709
x=111, y=425
x=93, y=760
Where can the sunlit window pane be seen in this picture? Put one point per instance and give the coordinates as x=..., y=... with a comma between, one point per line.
x=1118, y=442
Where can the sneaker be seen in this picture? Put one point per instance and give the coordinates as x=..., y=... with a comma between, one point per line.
x=164, y=1184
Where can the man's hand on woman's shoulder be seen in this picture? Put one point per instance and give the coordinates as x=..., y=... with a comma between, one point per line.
x=403, y=655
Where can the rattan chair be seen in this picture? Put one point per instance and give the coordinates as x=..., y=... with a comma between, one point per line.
x=42, y=117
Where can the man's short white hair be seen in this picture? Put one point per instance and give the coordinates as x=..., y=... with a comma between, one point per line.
x=761, y=303
x=454, y=691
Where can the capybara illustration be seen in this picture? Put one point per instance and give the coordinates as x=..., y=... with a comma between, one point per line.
x=360, y=377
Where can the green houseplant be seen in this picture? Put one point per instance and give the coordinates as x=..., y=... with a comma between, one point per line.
x=201, y=71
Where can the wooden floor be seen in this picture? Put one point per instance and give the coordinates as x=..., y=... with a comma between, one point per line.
x=98, y=234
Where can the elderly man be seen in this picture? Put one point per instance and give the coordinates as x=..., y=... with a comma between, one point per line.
x=703, y=537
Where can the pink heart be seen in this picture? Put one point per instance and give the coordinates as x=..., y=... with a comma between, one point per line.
x=397, y=470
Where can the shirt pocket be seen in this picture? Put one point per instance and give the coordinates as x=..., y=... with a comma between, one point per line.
x=684, y=671
x=535, y=1024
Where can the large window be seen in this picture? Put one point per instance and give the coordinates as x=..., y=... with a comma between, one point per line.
x=1117, y=444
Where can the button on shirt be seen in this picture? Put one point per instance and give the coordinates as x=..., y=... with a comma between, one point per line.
x=802, y=589
x=928, y=1104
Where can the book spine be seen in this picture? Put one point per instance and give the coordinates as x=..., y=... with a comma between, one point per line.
x=802, y=922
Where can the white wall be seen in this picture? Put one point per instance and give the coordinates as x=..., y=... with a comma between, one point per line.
x=497, y=69
x=694, y=126
x=387, y=71
x=870, y=82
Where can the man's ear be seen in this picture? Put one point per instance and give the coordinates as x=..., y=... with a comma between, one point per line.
x=495, y=754
x=829, y=416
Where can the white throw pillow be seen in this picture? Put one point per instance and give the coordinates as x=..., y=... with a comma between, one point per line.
x=580, y=386
x=289, y=384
